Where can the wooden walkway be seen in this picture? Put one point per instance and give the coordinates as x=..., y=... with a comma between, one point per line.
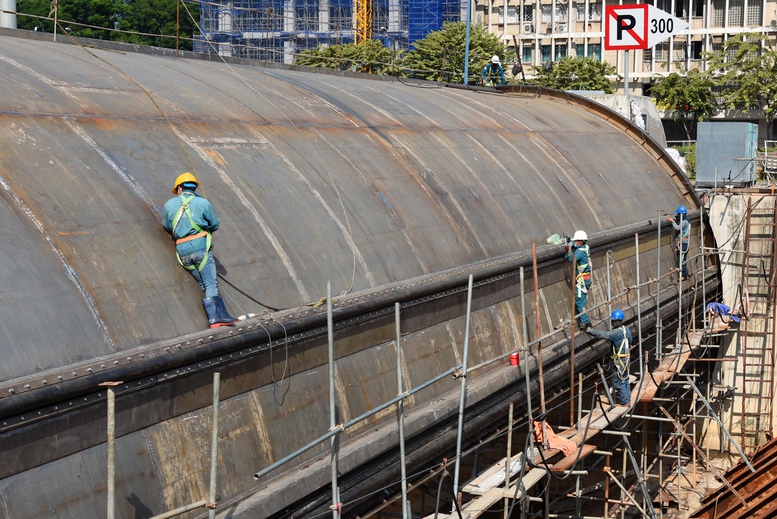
x=488, y=488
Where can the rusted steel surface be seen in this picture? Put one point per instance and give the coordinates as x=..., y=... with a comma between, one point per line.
x=391, y=191
x=758, y=489
x=315, y=178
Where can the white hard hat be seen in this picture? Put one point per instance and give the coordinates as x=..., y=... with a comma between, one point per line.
x=494, y=59
x=580, y=235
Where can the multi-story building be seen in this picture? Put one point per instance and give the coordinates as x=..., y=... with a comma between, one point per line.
x=548, y=30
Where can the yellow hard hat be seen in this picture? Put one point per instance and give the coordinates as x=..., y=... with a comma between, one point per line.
x=184, y=177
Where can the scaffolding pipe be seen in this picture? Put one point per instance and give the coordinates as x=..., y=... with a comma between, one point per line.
x=648, y=502
x=538, y=325
x=720, y=424
x=625, y=493
x=657, y=305
x=508, y=453
x=525, y=333
x=609, y=290
x=462, y=395
x=332, y=411
x=572, y=347
x=214, y=443
x=639, y=307
x=182, y=510
x=111, y=453
x=401, y=412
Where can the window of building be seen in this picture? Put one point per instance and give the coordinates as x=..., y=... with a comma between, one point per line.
x=679, y=10
x=561, y=52
x=527, y=55
x=696, y=47
x=736, y=12
x=754, y=13
x=697, y=7
x=594, y=11
x=561, y=13
x=512, y=16
x=718, y=7
x=528, y=13
x=594, y=51
x=661, y=51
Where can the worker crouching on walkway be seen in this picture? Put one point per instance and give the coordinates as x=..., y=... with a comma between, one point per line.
x=191, y=221
x=620, y=338
x=579, y=253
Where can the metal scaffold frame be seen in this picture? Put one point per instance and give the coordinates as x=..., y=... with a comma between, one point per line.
x=511, y=479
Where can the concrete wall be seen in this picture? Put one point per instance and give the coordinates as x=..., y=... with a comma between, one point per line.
x=728, y=219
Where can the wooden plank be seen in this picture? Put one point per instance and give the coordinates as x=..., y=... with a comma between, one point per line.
x=669, y=366
x=530, y=479
x=494, y=476
x=482, y=504
x=569, y=461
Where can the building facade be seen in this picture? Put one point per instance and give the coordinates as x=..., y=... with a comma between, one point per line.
x=549, y=30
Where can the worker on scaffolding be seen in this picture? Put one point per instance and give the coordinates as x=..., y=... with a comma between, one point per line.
x=682, y=228
x=493, y=72
x=579, y=253
x=191, y=221
x=620, y=338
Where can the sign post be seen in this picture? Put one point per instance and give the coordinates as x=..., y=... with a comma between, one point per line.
x=638, y=27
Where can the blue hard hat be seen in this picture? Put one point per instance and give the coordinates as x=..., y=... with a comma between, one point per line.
x=682, y=210
x=617, y=315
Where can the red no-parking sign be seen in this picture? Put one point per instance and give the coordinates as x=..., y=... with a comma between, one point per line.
x=640, y=26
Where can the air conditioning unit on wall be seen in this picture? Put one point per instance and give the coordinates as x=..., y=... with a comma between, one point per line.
x=562, y=27
x=528, y=27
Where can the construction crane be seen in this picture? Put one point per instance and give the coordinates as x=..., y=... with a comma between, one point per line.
x=363, y=30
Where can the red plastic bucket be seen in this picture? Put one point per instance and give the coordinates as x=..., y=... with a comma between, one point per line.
x=515, y=360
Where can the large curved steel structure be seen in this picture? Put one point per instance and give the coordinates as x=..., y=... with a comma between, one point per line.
x=392, y=191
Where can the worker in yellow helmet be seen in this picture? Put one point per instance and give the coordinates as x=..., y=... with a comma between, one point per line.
x=191, y=221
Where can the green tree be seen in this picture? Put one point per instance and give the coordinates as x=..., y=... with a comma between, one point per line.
x=97, y=18
x=369, y=56
x=746, y=68
x=689, y=97
x=440, y=54
x=580, y=73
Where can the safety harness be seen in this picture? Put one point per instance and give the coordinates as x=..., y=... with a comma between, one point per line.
x=620, y=356
x=200, y=231
x=583, y=271
x=684, y=234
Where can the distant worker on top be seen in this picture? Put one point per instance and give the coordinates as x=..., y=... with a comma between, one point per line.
x=191, y=221
x=682, y=228
x=620, y=338
x=578, y=252
x=493, y=72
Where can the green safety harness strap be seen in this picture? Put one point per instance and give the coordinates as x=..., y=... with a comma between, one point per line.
x=208, y=237
x=583, y=271
x=620, y=356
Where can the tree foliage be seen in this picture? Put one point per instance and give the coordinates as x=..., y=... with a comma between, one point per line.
x=580, y=73
x=148, y=19
x=690, y=98
x=746, y=68
x=439, y=56
x=368, y=56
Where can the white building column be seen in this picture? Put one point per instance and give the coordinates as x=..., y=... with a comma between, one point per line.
x=8, y=19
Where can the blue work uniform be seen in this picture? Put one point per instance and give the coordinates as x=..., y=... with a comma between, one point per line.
x=582, y=258
x=192, y=231
x=681, y=240
x=620, y=338
x=491, y=73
